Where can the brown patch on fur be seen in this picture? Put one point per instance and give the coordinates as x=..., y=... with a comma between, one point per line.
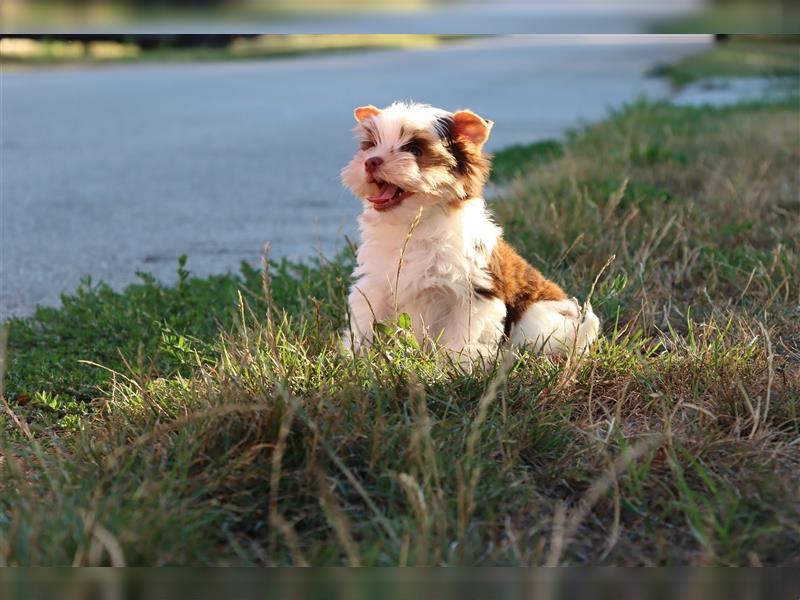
x=517, y=283
x=433, y=155
x=432, y=160
x=367, y=133
x=463, y=157
x=472, y=165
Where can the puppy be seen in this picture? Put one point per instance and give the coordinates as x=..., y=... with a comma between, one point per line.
x=429, y=247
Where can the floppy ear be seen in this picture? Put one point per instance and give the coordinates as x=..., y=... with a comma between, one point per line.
x=363, y=112
x=469, y=125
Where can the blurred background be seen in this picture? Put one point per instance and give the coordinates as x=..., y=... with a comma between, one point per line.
x=124, y=150
x=401, y=16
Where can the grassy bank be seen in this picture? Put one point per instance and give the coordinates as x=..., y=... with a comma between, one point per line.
x=22, y=53
x=224, y=427
x=740, y=56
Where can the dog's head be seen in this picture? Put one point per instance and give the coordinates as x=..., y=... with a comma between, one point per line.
x=414, y=155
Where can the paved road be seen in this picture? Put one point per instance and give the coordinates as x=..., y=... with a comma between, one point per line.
x=111, y=170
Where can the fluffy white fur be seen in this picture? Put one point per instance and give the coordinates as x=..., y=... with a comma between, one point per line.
x=445, y=258
x=435, y=283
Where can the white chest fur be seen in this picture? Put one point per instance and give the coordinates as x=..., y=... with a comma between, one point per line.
x=429, y=271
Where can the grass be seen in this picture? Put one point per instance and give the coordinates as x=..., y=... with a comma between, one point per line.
x=741, y=56
x=768, y=18
x=50, y=15
x=514, y=161
x=225, y=427
x=32, y=53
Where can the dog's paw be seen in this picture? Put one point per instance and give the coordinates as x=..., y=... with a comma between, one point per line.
x=352, y=344
x=589, y=328
x=348, y=345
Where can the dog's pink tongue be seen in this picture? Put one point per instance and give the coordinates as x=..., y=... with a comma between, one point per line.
x=387, y=192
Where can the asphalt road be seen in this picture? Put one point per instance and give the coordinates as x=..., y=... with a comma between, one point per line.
x=108, y=171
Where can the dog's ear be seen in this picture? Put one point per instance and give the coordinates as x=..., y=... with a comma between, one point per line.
x=472, y=127
x=364, y=112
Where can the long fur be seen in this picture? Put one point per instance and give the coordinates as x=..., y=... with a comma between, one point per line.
x=465, y=289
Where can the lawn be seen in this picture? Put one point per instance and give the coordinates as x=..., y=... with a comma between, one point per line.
x=215, y=422
x=740, y=56
x=29, y=53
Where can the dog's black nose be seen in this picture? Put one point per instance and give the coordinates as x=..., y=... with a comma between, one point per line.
x=373, y=163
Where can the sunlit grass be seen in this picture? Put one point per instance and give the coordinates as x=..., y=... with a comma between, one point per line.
x=32, y=52
x=739, y=57
x=229, y=428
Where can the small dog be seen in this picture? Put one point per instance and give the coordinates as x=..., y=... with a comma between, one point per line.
x=429, y=247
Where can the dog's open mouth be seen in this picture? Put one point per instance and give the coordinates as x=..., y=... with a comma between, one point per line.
x=388, y=196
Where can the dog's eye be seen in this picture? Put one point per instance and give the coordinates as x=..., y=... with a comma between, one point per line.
x=412, y=147
x=367, y=144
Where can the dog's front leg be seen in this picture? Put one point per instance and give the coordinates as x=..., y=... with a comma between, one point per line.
x=368, y=303
x=474, y=332
x=455, y=341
